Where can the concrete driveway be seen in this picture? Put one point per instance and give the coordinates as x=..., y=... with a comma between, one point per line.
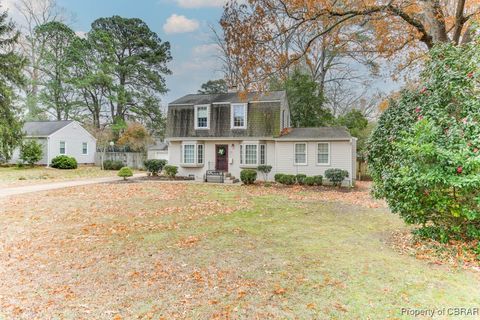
x=5, y=192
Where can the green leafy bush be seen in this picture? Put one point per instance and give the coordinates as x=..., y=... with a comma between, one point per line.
x=155, y=165
x=265, y=170
x=287, y=179
x=318, y=180
x=171, y=171
x=336, y=176
x=112, y=164
x=278, y=177
x=31, y=152
x=424, y=154
x=300, y=178
x=64, y=162
x=125, y=172
x=248, y=176
x=309, y=181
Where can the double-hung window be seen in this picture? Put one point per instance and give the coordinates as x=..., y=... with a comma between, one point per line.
x=193, y=154
x=62, y=147
x=323, y=153
x=263, y=154
x=84, y=148
x=300, y=153
x=202, y=117
x=238, y=113
x=253, y=154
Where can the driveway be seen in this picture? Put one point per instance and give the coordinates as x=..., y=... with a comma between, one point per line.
x=5, y=192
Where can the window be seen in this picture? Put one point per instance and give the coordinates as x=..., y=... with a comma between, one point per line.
x=241, y=154
x=251, y=154
x=62, y=147
x=202, y=120
x=323, y=153
x=300, y=153
x=200, y=153
x=84, y=148
x=239, y=116
x=189, y=153
x=263, y=154
x=193, y=154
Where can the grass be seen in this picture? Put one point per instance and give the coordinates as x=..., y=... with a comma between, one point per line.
x=14, y=176
x=151, y=250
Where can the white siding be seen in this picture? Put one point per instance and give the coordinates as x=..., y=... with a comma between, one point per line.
x=175, y=150
x=157, y=154
x=43, y=142
x=74, y=135
x=340, y=157
x=280, y=155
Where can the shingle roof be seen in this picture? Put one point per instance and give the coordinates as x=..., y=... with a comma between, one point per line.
x=43, y=128
x=336, y=133
x=231, y=97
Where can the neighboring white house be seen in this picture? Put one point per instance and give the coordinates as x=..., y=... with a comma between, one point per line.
x=159, y=150
x=60, y=137
x=227, y=133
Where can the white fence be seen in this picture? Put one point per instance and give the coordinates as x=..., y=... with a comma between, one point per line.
x=133, y=160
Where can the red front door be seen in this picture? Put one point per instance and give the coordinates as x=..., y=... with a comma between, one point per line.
x=221, y=162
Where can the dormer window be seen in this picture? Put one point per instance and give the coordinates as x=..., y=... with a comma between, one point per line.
x=238, y=115
x=202, y=117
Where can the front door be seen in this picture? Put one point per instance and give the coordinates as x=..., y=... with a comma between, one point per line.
x=221, y=162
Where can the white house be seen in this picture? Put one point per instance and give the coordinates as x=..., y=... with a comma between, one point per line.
x=227, y=133
x=159, y=150
x=60, y=137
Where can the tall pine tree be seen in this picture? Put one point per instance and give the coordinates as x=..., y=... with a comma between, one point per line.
x=11, y=65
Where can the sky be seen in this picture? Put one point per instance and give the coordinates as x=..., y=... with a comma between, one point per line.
x=184, y=23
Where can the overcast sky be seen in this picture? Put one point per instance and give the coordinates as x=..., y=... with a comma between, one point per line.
x=184, y=23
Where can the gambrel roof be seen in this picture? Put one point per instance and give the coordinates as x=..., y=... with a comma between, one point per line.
x=231, y=97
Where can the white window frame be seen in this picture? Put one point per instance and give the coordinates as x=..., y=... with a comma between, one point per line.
x=243, y=153
x=196, y=116
x=195, y=154
x=85, y=154
x=295, y=154
x=328, y=162
x=203, y=153
x=64, y=147
x=260, y=146
x=245, y=108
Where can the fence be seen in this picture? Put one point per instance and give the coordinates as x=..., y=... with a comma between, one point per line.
x=362, y=171
x=133, y=160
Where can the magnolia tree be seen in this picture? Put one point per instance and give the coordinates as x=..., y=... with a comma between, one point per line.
x=424, y=154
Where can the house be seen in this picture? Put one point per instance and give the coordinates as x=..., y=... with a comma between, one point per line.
x=60, y=137
x=228, y=132
x=159, y=150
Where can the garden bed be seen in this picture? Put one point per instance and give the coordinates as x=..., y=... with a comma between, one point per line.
x=165, y=178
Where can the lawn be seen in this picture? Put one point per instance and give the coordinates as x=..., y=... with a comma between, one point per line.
x=13, y=176
x=150, y=250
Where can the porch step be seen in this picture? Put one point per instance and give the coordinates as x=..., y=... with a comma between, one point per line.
x=231, y=181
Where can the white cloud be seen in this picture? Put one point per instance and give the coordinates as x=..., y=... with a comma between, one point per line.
x=180, y=24
x=200, y=3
